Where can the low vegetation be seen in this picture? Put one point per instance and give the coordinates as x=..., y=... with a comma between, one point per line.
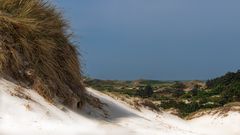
x=185, y=97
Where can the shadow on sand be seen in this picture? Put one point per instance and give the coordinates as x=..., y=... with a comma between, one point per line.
x=112, y=109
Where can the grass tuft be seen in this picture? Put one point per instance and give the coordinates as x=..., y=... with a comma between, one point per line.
x=35, y=49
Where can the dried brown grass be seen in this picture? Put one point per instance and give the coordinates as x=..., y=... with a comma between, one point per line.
x=35, y=49
x=220, y=111
x=20, y=93
x=150, y=104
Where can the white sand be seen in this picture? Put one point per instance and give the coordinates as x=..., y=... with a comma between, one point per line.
x=23, y=117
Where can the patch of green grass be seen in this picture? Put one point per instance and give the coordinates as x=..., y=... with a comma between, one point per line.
x=172, y=94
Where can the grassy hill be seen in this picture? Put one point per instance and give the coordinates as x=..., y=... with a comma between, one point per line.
x=180, y=97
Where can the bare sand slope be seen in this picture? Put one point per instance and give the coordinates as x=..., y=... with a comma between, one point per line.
x=27, y=113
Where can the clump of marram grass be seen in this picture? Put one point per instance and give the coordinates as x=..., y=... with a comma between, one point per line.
x=35, y=49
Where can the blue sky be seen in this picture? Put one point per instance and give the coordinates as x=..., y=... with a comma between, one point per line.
x=156, y=39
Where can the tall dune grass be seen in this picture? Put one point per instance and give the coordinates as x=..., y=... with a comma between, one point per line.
x=35, y=49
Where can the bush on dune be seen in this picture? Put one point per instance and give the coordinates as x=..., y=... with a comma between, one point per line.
x=35, y=49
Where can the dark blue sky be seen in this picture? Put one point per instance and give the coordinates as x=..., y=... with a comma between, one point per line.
x=156, y=39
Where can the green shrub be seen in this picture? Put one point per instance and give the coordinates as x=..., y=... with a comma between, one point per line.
x=144, y=92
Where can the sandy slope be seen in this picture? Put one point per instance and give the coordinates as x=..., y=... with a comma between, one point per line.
x=37, y=117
